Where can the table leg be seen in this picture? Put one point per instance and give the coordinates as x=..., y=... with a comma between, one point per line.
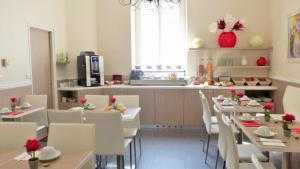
x=240, y=137
x=286, y=161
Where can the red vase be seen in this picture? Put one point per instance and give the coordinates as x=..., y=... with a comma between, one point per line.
x=262, y=61
x=227, y=40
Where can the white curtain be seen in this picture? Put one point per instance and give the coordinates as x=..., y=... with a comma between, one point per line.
x=159, y=35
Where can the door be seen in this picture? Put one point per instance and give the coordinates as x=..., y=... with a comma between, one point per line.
x=40, y=42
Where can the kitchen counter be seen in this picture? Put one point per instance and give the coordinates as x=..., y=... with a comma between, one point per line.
x=202, y=87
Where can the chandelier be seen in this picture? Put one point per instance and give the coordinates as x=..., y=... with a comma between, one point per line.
x=157, y=3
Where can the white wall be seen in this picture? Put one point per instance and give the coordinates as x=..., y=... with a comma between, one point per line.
x=279, y=16
x=81, y=26
x=15, y=15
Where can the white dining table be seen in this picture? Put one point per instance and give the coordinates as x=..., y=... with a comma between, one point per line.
x=292, y=144
x=130, y=114
x=23, y=112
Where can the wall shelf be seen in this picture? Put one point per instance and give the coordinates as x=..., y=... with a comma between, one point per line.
x=236, y=48
x=244, y=67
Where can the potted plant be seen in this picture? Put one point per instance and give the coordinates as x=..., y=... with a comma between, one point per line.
x=268, y=107
x=82, y=102
x=113, y=103
x=32, y=145
x=287, y=119
x=13, y=102
x=228, y=24
x=233, y=94
x=239, y=95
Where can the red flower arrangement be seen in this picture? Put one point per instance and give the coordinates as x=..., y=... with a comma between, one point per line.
x=32, y=145
x=287, y=118
x=268, y=107
x=228, y=24
x=113, y=100
x=240, y=94
x=82, y=102
x=13, y=101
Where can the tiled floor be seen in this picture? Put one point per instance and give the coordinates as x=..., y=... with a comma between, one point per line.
x=181, y=149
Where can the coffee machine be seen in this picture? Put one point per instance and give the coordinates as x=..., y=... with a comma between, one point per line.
x=90, y=69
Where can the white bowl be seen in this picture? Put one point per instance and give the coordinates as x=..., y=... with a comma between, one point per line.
x=48, y=153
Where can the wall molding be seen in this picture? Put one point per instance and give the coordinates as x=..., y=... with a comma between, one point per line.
x=285, y=79
x=5, y=86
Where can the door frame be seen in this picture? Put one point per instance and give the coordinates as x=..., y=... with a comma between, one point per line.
x=51, y=32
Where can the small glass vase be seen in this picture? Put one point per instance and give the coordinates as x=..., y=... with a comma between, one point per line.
x=239, y=102
x=287, y=132
x=33, y=163
x=267, y=117
x=13, y=108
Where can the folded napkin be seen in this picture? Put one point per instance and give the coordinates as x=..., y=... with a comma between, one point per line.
x=270, y=140
x=296, y=130
x=14, y=113
x=250, y=124
x=22, y=157
x=279, y=144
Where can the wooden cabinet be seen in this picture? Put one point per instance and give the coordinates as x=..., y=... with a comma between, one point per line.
x=169, y=107
x=192, y=108
x=114, y=91
x=147, y=103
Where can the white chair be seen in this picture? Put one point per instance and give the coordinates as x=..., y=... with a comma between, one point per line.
x=258, y=165
x=244, y=150
x=290, y=101
x=131, y=128
x=232, y=156
x=73, y=137
x=109, y=135
x=15, y=134
x=39, y=117
x=214, y=119
x=65, y=116
x=100, y=101
x=209, y=126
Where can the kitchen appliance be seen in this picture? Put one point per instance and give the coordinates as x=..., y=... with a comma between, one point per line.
x=90, y=69
x=158, y=77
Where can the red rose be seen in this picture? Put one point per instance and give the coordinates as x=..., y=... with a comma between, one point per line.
x=240, y=94
x=288, y=118
x=82, y=101
x=268, y=106
x=233, y=91
x=13, y=99
x=32, y=145
x=113, y=100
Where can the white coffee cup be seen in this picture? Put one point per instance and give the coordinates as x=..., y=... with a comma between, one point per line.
x=47, y=152
x=26, y=104
x=90, y=105
x=220, y=97
x=253, y=102
x=226, y=102
x=5, y=110
x=264, y=131
x=245, y=97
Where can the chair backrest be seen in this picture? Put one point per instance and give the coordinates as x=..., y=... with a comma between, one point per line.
x=232, y=158
x=290, y=101
x=128, y=100
x=15, y=134
x=256, y=162
x=68, y=137
x=109, y=132
x=100, y=101
x=206, y=112
x=65, y=116
x=40, y=117
x=222, y=145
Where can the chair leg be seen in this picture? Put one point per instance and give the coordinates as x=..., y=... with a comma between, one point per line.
x=204, y=135
x=202, y=132
x=224, y=164
x=140, y=141
x=130, y=154
x=217, y=159
x=134, y=147
x=207, y=147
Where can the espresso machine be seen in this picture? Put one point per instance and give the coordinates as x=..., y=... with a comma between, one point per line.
x=90, y=69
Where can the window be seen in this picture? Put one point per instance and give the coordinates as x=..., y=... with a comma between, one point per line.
x=159, y=36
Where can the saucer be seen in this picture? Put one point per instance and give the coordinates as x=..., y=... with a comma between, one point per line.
x=91, y=107
x=272, y=134
x=247, y=119
x=51, y=158
x=26, y=107
x=254, y=105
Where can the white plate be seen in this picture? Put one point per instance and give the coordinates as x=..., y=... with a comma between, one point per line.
x=55, y=156
x=26, y=107
x=91, y=107
x=272, y=134
x=243, y=119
